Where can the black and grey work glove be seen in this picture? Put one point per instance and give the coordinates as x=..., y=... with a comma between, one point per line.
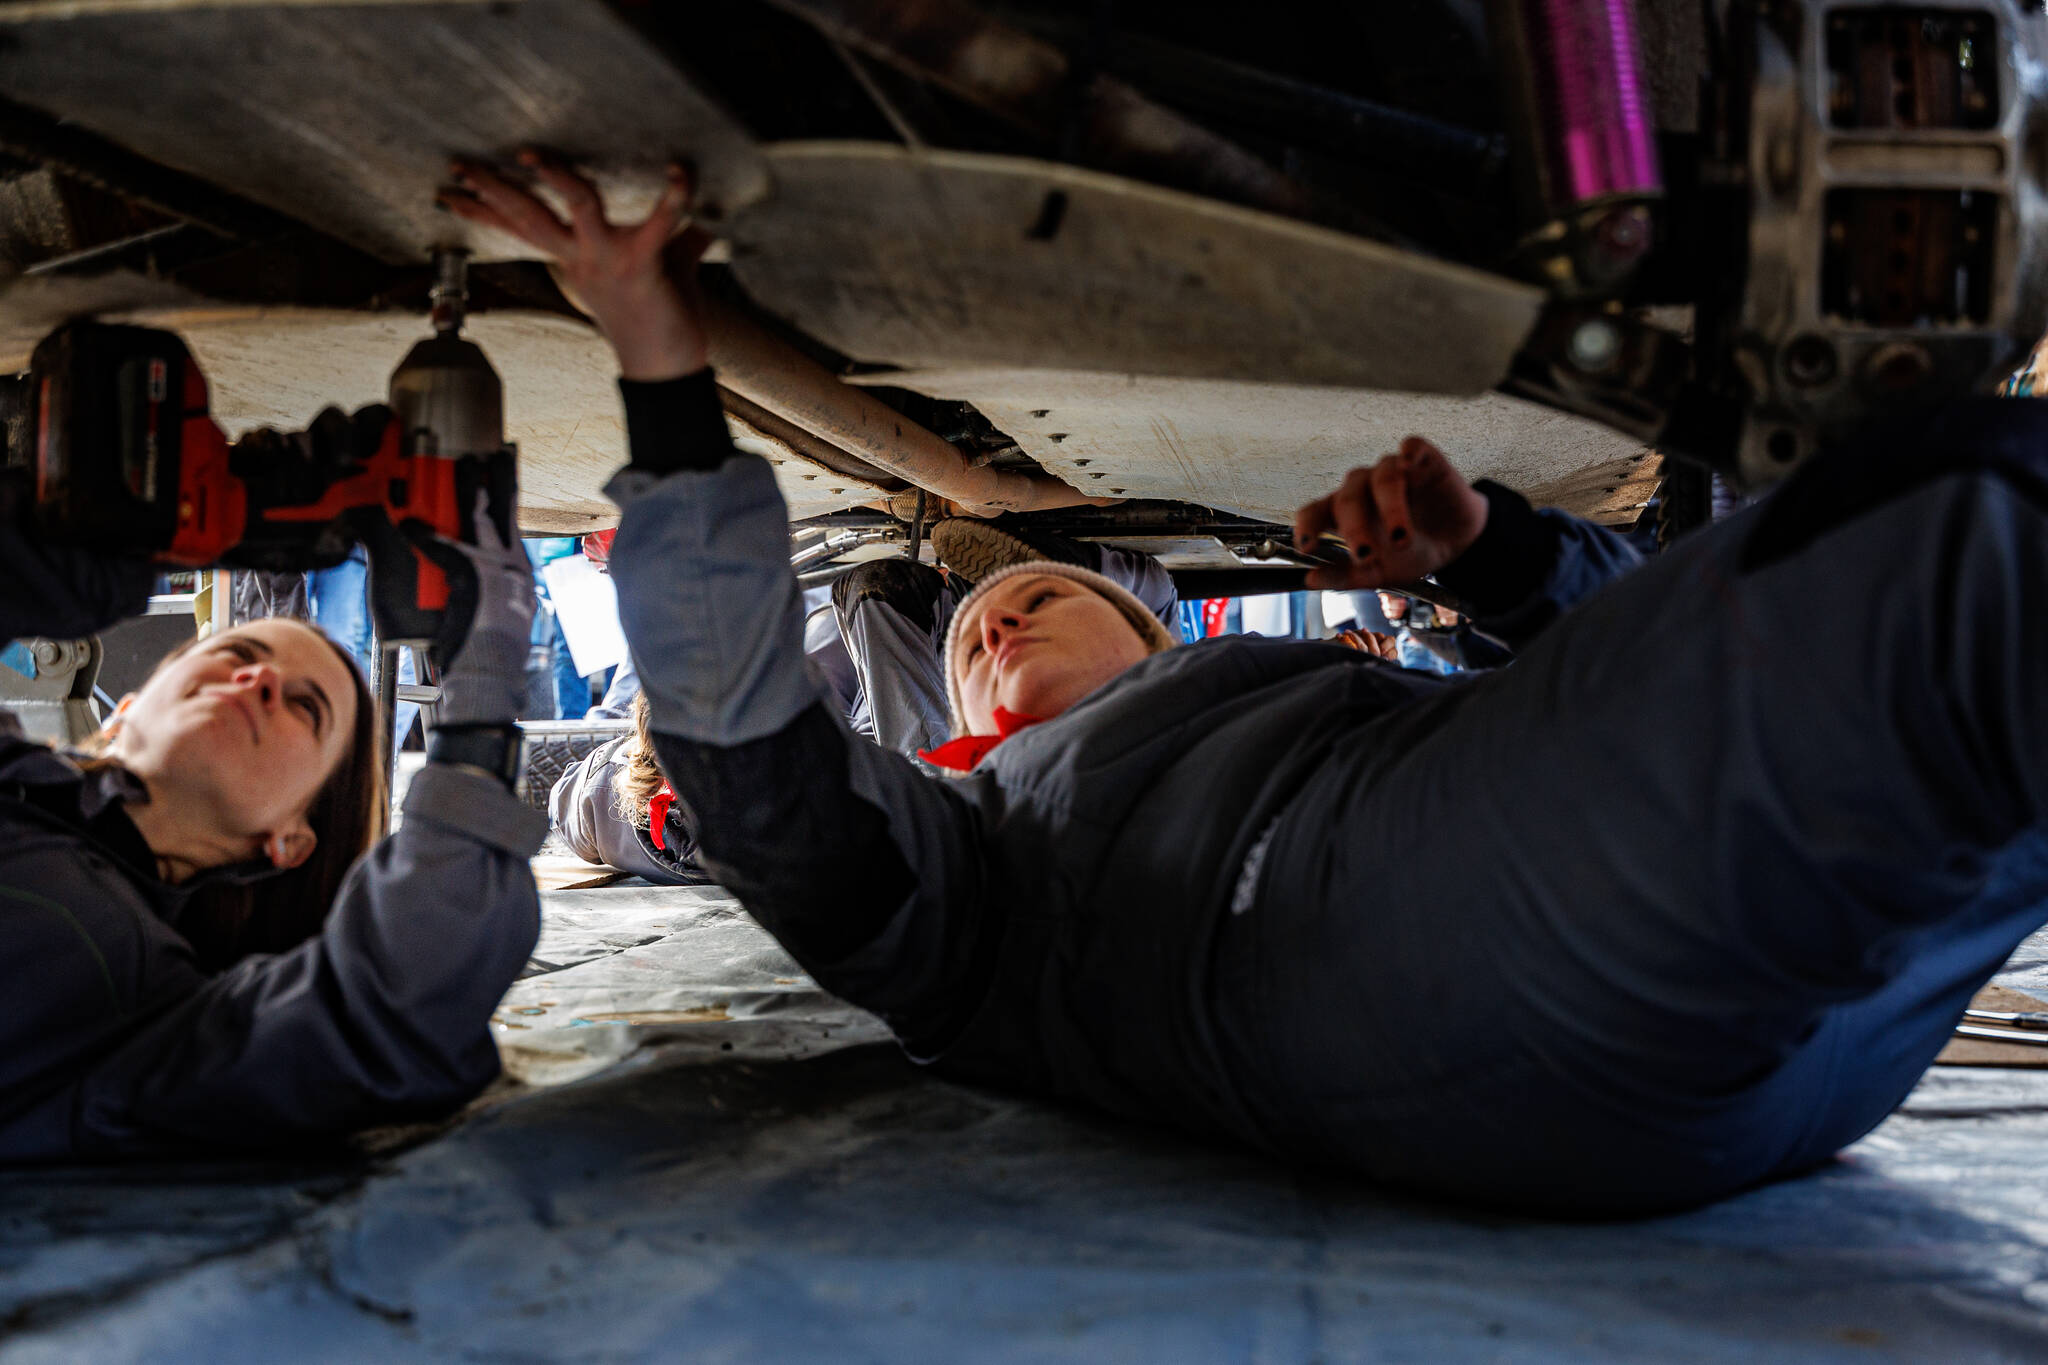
x=483, y=677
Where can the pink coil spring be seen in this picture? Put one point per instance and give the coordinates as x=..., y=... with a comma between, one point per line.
x=1597, y=135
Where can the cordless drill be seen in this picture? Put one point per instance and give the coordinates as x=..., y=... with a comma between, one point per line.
x=125, y=456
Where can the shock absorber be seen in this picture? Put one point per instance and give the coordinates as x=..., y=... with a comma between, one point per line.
x=1584, y=141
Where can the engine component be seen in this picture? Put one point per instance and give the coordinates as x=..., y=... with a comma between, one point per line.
x=1894, y=252
x=48, y=685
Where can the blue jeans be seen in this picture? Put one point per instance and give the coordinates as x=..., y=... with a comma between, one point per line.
x=571, y=690
x=1531, y=943
x=341, y=606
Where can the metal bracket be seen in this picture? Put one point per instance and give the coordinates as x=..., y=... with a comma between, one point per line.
x=55, y=703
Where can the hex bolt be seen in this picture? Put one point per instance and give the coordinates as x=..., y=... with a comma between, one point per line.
x=1594, y=346
x=1619, y=240
x=1626, y=233
x=1810, y=360
x=448, y=299
x=1899, y=367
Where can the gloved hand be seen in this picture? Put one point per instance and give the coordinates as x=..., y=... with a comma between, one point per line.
x=63, y=591
x=483, y=673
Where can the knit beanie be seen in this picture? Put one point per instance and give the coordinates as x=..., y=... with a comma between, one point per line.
x=1156, y=637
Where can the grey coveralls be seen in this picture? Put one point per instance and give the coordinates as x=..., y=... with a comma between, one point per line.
x=112, y=1038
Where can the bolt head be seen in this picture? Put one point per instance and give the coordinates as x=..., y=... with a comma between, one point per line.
x=1810, y=360
x=1595, y=346
x=1619, y=240
x=1900, y=367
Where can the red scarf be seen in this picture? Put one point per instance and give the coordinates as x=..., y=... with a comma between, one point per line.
x=960, y=755
x=657, y=814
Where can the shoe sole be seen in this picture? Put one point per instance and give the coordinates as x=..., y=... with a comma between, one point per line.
x=974, y=550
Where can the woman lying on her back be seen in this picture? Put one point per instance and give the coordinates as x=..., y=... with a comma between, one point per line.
x=207, y=944
x=1513, y=938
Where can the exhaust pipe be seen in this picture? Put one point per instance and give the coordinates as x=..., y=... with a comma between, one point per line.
x=769, y=372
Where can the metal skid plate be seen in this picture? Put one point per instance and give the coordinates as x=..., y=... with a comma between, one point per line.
x=344, y=116
x=1257, y=449
x=924, y=258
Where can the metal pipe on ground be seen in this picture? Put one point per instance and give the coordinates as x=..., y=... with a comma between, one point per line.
x=769, y=372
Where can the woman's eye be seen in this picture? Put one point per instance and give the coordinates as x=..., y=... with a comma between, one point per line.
x=1041, y=599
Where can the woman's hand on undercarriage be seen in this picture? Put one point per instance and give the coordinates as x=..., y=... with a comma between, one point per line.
x=637, y=281
x=1407, y=516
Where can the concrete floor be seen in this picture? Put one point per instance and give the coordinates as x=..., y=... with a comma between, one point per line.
x=714, y=1161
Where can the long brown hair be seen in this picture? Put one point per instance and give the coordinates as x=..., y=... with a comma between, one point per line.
x=228, y=921
x=639, y=778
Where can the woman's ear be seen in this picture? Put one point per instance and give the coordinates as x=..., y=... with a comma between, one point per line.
x=289, y=847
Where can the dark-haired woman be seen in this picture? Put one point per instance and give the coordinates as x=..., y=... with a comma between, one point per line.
x=206, y=945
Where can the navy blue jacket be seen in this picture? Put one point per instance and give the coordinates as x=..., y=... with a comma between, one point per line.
x=1046, y=920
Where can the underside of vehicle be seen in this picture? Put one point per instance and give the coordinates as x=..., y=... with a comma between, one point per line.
x=1142, y=272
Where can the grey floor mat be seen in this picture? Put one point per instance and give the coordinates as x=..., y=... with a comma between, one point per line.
x=806, y=1195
